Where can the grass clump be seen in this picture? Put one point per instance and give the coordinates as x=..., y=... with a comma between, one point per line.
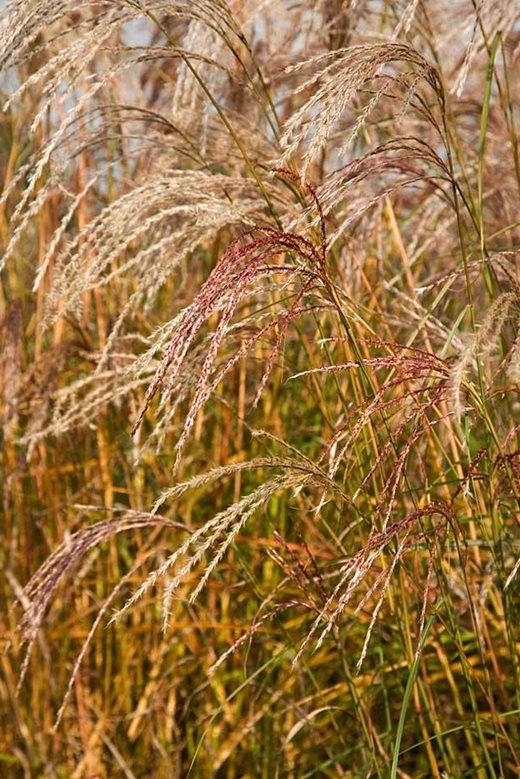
x=260, y=321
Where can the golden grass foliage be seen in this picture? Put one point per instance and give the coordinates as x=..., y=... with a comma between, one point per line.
x=259, y=370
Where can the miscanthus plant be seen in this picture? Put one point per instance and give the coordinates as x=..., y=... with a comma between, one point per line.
x=260, y=366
